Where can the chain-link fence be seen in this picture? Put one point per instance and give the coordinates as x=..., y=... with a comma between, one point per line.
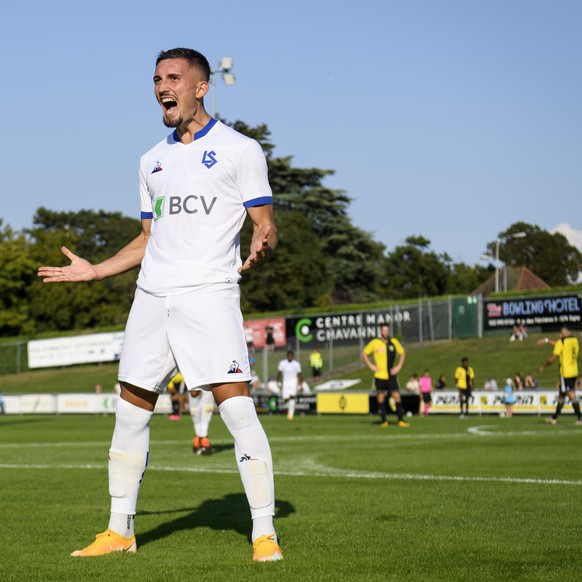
x=340, y=337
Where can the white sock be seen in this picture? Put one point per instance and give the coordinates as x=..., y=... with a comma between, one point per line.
x=122, y=524
x=291, y=408
x=195, y=405
x=201, y=411
x=253, y=456
x=128, y=457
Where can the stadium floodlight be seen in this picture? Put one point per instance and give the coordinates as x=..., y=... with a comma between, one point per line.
x=225, y=63
x=228, y=78
x=224, y=67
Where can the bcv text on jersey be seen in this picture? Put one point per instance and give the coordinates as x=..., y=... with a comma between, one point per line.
x=189, y=204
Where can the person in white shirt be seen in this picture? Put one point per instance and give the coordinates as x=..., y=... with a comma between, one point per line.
x=273, y=385
x=196, y=188
x=490, y=384
x=290, y=377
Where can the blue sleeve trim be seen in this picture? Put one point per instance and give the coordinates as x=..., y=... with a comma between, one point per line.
x=258, y=201
x=145, y=215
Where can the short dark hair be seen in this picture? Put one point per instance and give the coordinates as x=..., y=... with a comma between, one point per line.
x=195, y=58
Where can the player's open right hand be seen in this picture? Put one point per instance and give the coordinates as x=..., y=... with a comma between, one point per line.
x=78, y=270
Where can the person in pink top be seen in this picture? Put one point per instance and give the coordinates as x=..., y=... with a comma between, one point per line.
x=426, y=391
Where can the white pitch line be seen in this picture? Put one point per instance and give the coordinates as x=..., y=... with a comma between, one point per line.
x=337, y=473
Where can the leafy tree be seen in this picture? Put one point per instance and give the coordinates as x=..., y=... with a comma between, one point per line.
x=463, y=278
x=296, y=274
x=411, y=270
x=94, y=236
x=18, y=270
x=261, y=133
x=352, y=256
x=550, y=256
x=99, y=234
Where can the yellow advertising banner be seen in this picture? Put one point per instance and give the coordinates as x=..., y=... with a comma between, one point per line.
x=343, y=403
x=526, y=402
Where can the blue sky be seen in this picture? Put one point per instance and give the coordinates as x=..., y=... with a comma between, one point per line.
x=450, y=119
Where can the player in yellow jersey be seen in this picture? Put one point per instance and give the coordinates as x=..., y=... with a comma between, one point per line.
x=566, y=349
x=465, y=380
x=389, y=355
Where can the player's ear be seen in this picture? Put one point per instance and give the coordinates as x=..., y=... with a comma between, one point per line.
x=201, y=89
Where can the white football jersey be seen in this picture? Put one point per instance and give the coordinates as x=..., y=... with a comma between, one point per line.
x=197, y=195
x=289, y=371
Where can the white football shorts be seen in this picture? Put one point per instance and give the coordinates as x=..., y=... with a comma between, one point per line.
x=199, y=333
x=289, y=389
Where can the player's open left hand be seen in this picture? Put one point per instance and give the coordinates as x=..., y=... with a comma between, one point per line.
x=260, y=250
x=78, y=270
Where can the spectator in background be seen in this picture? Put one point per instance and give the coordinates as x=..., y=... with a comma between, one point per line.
x=465, y=380
x=2, y=409
x=305, y=388
x=441, y=383
x=518, y=381
x=509, y=397
x=270, y=337
x=490, y=384
x=316, y=363
x=273, y=385
x=97, y=389
x=413, y=385
x=426, y=391
x=531, y=382
x=519, y=331
x=255, y=380
x=250, y=339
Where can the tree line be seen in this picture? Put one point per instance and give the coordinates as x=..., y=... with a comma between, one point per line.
x=322, y=259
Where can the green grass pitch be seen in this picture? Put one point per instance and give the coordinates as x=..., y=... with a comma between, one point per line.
x=485, y=498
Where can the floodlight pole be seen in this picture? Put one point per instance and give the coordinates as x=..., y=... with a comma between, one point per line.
x=511, y=236
x=224, y=67
x=497, y=266
x=497, y=244
x=497, y=261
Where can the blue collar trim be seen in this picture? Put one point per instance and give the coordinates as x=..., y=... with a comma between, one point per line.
x=198, y=134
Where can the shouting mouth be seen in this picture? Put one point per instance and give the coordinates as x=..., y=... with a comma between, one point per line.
x=168, y=103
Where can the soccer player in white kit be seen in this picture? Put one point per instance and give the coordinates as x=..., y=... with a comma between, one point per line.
x=196, y=188
x=290, y=376
x=201, y=406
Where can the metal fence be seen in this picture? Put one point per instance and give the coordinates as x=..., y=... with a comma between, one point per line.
x=340, y=337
